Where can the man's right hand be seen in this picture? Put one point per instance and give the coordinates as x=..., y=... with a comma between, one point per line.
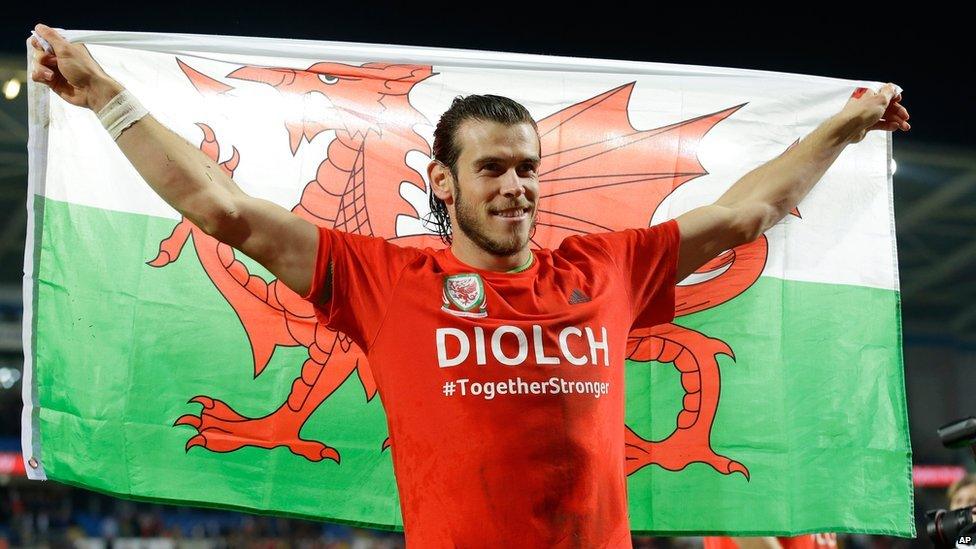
x=71, y=71
x=182, y=175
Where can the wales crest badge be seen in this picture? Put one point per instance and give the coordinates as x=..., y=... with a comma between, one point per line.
x=464, y=295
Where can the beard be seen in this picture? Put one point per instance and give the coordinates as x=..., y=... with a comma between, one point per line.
x=475, y=229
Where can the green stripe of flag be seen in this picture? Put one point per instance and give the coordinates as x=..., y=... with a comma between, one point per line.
x=814, y=404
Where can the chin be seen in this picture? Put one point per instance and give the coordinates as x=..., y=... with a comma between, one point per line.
x=501, y=247
x=511, y=246
x=502, y=241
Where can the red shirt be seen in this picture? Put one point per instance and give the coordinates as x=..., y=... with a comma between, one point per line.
x=504, y=392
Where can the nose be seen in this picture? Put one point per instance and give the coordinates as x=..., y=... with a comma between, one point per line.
x=512, y=184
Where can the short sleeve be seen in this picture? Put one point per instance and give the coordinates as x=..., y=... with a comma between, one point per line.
x=365, y=271
x=647, y=262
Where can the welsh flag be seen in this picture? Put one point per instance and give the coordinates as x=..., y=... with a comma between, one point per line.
x=162, y=365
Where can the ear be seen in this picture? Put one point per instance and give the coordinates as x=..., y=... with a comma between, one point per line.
x=441, y=181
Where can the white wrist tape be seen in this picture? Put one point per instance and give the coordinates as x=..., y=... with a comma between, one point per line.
x=121, y=112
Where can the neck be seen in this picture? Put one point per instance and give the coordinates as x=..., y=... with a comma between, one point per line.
x=469, y=253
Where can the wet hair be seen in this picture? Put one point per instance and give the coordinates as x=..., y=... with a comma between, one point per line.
x=447, y=150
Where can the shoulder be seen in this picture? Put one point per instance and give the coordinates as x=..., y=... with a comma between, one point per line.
x=605, y=243
x=399, y=248
x=662, y=239
x=357, y=256
x=589, y=248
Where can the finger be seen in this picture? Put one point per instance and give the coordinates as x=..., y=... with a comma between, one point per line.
x=52, y=36
x=39, y=43
x=896, y=111
x=892, y=125
x=42, y=75
x=892, y=111
x=45, y=45
x=888, y=92
x=45, y=72
x=48, y=60
x=900, y=124
x=36, y=49
x=896, y=119
x=885, y=125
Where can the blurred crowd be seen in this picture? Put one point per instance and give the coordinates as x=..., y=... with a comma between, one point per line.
x=53, y=515
x=36, y=514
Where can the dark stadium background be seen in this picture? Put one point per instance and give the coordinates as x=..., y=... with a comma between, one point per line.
x=927, y=49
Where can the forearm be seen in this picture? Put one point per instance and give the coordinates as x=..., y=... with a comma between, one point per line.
x=181, y=174
x=766, y=194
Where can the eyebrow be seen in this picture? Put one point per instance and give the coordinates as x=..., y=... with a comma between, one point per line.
x=487, y=159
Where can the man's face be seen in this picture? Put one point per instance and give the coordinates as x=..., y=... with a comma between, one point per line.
x=965, y=497
x=497, y=185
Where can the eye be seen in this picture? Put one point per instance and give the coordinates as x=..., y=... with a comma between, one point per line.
x=328, y=79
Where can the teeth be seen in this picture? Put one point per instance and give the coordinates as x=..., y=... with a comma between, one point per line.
x=511, y=213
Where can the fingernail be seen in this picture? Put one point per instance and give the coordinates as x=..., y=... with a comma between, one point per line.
x=859, y=92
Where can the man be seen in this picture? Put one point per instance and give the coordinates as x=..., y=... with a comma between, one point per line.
x=500, y=367
x=962, y=493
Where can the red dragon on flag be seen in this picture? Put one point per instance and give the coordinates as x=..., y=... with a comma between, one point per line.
x=599, y=173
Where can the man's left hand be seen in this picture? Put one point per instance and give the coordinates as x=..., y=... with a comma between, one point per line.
x=875, y=110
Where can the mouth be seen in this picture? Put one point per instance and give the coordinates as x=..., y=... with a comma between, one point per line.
x=512, y=214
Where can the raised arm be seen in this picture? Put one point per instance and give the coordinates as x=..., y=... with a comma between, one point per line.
x=765, y=195
x=183, y=175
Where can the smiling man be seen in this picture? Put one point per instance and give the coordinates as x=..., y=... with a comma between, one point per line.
x=500, y=367
x=493, y=141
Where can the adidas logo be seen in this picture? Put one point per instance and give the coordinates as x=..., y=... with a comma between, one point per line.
x=577, y=297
